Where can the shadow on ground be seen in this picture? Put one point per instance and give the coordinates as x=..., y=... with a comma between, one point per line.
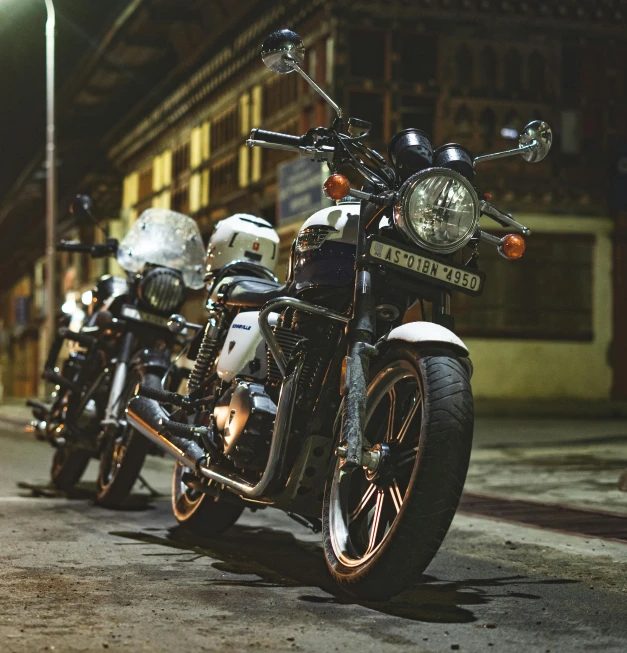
x=265, y=558
x=83, y=492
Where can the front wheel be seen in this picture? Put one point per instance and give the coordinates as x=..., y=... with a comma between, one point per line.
x=68, y=465
x=123, y=456
x=382, y=528
x=199, y=512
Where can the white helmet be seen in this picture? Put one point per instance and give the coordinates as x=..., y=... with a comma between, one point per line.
x=242, y=237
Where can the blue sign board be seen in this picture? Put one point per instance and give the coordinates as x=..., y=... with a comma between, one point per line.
x=300, y=189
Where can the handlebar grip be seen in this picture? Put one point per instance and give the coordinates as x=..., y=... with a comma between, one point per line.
x=276, y=138
x=70, y=246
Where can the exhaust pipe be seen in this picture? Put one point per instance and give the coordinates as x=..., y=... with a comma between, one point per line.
x=145, y=414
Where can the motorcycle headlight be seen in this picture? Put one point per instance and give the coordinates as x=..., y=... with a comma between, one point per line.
x=438, y=210
x=162, y=290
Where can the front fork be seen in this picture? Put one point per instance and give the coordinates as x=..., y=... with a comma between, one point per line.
x=361, y=335
x=118, y=383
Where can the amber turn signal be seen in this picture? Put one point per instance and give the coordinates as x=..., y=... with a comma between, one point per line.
x=336, y=186
x=512, y=246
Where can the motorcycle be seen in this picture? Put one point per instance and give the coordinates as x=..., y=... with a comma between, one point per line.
x=123, y=341
x=318, y=396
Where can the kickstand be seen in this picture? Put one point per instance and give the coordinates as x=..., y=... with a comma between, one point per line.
x=145, y=484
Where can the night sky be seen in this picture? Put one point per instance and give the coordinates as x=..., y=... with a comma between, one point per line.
x=80, y=24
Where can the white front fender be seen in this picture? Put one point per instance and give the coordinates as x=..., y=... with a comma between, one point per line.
x=427, y=332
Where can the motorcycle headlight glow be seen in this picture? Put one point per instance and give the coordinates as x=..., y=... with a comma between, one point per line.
x=438, y=210
x=162, y=290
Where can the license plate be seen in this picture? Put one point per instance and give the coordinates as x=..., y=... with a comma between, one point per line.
x=437, y=271
x=142, y=316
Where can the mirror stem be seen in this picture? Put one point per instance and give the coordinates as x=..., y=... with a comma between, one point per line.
x=294, y=65
x=502, y=155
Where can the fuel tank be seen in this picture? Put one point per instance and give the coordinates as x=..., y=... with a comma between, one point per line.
x=324, y=252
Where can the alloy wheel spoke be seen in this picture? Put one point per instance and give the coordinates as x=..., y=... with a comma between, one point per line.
x=376, y=523
x=408, y=420
x=389, y=434
x=365, y=499
x=397, y=497
x=407, y=457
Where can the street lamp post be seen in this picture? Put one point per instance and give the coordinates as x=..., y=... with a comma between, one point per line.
x=51, y=176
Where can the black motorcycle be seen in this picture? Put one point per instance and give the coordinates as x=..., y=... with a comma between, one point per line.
x=124, y=340
x=318, y=396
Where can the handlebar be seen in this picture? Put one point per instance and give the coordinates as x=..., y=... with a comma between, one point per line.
x=99, y=250
x=275, y=138
x=72, y=246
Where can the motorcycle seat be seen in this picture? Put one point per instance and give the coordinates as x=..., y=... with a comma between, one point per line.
x=247, y=292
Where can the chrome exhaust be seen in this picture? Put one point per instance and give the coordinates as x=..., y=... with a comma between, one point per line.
x=145, y=415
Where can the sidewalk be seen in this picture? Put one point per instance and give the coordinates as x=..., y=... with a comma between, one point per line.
x=15, y=413
x=574, y=463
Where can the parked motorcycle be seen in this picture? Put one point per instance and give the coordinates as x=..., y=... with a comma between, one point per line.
x=124, y=340
x=316, y=396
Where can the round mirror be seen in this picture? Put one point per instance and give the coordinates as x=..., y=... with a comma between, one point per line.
x=539, y=135
x=277, y=45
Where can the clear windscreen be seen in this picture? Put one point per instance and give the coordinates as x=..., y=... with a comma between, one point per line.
x=165, y=238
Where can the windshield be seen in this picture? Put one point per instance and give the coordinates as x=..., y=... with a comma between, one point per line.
x=165, y=238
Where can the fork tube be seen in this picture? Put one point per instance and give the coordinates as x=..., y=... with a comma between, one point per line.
x=119, y=379
x=361, y=333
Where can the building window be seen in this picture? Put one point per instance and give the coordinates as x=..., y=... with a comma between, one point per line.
x=144, y=190
x=487, y=124
x=224, y=177
x=463, y=123
x=419, y=54
x=278, y=94
x=545, y=295
x=464, y=68
x=367, y=53
x=417, y=112
x=488, y=70
x=571, y=71
x=225, y=129
x=537, y=75
x=180, y=178
x=513, y=73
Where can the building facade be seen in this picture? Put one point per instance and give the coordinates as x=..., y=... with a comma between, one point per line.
x=468, y=71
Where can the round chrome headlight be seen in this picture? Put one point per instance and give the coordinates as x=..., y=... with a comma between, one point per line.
x=162, y=290
x=438, y=210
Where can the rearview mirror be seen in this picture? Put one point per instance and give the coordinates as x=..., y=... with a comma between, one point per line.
x=81, y=208
x=534, y=144
x=538, y=138
x=281, y=50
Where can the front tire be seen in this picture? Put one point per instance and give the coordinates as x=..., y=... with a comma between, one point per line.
x=123, y=456
x=381, y=529
x=200, y=513
x=68, y=466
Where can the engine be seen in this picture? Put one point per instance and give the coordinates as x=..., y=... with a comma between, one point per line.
x=244, y=416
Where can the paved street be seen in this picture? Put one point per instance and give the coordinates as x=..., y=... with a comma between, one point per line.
x=74, y=577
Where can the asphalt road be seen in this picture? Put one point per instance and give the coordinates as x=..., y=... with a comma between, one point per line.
x=75, y=577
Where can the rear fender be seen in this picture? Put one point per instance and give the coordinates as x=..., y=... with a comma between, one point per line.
x=424, y=332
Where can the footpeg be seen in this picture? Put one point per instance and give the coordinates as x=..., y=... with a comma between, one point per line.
x=187, y=431
x=162, y=396
x=57, y=379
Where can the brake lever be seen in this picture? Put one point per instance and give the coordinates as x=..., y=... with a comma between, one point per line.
x=504, y=219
